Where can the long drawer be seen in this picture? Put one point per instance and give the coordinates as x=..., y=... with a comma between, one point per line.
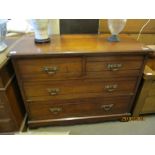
x=78, y=89
x=79, y=108
x=50, y=68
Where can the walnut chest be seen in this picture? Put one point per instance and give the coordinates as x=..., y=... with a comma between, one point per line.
x=78, y=78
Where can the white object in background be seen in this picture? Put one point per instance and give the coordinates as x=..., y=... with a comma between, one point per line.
x=3, y=31
x=18, y=26
x=40, y=27
x=115, y=26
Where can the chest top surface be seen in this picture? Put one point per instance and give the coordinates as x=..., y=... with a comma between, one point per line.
x=77, y=44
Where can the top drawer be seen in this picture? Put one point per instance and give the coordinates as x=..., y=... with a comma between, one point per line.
x=50, y=68
x=114, y=66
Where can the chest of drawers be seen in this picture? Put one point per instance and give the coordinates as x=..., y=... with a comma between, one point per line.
x=11, y=105
x=78, y=78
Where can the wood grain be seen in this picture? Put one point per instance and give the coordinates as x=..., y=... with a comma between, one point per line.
x=84, y=81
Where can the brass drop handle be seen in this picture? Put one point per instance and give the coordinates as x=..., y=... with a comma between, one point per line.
x=107, y=107
x=111, y=88
x=50, y=70
x=114, y=67
x=53, y=91
x=55, y=110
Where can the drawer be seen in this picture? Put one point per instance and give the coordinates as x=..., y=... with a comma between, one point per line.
x=113, y=66
x=78, y=89
x=50, y=68
x=79, y=108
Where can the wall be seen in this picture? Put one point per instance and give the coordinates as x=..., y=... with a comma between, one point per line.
x=54, y=26
x=133, y=27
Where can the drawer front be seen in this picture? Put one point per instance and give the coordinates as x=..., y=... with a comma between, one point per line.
x=113, y=66
x=79, y=108
x=78, y=89
x=50, y=68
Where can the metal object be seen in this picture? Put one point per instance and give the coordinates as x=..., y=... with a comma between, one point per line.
x=111, y=88
x=50, y=70
x=54, y=91
x=107, y=107
x=3, y=31
x=114, y=67
x=55, y=110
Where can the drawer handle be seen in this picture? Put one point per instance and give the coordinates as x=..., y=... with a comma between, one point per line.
x=107, y=107
x=50, y=70
x=114, y=67
x=54, y=91
x=111, y=88
x=55, y=110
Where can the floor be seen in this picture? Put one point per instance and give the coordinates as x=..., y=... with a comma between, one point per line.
x=139, y=127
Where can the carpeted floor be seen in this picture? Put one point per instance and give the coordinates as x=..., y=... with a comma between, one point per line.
x=145, y=127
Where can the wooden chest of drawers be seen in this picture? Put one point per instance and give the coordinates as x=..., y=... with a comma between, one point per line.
x=11, y=104
x=78, y=78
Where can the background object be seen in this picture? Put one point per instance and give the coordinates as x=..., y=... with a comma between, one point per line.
x=115, y=26
x=3, y=31
x=132, y=28
x=40, y=27
x=79, y=26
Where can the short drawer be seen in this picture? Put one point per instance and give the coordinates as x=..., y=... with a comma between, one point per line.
x=113, y=66
x=79, y=108
x=78, y=89
x=49, y=68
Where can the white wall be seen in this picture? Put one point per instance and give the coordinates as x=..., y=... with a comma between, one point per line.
x=54, y=27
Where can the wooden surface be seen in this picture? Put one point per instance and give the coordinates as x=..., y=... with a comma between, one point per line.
x=78, y=78
x=10, y=42
x=77, y=44
x=132, y=28
x=146, y=99
x=11, y=104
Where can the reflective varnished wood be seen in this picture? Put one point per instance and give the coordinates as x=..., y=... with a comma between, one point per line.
x=78, y=78
x=11, y=104
x=77, y=44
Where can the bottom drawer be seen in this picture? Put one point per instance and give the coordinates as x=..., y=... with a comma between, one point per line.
x=78, y=108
